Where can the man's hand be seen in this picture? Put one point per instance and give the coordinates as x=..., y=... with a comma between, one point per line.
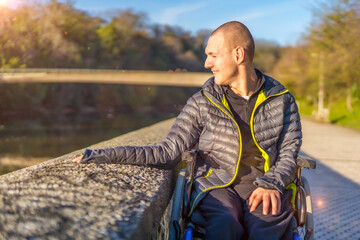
x=78, y=159
x=266, y=196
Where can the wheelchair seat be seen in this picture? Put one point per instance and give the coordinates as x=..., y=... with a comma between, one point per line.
x=181, y=227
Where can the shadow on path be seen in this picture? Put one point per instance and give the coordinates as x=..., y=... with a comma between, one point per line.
x=336, y=201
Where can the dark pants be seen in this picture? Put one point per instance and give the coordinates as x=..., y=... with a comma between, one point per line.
x=227, y=216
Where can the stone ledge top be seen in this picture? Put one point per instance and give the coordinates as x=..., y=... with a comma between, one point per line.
x=62, y=200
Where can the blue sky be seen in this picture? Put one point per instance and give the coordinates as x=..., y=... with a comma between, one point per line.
x=283, y=21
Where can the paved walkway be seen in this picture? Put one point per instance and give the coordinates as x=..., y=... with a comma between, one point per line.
x=335, y=183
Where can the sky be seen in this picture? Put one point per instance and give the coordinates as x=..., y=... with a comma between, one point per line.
x=282, y=21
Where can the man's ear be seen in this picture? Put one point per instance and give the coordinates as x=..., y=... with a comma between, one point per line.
x=239, y=54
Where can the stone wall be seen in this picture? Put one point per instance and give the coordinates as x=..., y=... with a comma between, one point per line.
x=58, y=199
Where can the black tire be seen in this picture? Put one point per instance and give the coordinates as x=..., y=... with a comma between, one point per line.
x=309, y=225
x=175, y=226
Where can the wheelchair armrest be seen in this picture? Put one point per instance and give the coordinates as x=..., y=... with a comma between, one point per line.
x=189, y=157
x=304, y=161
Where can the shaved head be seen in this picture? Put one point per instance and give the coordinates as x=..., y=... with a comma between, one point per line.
x=237, y=34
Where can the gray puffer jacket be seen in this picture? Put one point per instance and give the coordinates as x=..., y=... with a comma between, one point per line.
x=207, y=120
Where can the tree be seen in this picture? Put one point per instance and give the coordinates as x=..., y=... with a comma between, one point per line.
x=174, y=48
x=267, y=55
x=292, y=69
x=335, y=35
x=54, y=34
x=48, y=35
x=124, y=41
x=16, y=33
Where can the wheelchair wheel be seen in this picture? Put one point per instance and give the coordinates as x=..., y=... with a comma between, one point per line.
x=306, y=231
x=176, y=225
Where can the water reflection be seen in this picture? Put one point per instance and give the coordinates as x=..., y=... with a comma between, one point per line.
x=29, y=137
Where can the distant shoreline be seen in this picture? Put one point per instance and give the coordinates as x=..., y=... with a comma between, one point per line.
x=160, y=78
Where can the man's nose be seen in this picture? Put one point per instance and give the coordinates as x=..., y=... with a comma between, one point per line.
x=208, y=63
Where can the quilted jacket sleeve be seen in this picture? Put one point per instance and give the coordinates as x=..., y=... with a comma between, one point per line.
x=282, y=173
x=183, y=135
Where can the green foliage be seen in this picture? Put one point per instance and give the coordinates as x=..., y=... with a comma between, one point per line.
x=306, y=106
x=267, y=55
x=124, y=41
x=329, y=53
x=13, y=62
x=53, y=34
x=336, y=36
x=338, y=112
x=341, y=116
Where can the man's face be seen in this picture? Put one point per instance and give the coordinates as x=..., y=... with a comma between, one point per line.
x=220, y=60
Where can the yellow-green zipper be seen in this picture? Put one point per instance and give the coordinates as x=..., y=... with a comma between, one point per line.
x=238, y=162
x=260, y=99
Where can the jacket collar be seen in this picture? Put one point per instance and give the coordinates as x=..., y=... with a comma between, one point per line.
x=272, y=87
x=213, y=89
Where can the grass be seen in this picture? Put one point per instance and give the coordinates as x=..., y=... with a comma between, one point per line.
x=305, y=108
x=339, y=114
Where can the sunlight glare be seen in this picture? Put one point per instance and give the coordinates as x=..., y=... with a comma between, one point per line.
x=3, y=2
x=10, y=3
x=320, y=203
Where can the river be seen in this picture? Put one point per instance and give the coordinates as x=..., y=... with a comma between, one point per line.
x=41, y=121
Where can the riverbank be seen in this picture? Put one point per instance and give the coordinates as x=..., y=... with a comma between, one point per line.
x=158, y=78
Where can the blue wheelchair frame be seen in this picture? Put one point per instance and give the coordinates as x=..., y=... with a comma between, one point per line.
x=181, y=227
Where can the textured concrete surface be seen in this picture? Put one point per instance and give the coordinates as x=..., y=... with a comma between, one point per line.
x=58, y=199
x=335, y=183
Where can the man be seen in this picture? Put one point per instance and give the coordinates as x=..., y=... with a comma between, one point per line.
x=250, y=126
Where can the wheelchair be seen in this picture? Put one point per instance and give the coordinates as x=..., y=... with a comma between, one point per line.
x=181, y=227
